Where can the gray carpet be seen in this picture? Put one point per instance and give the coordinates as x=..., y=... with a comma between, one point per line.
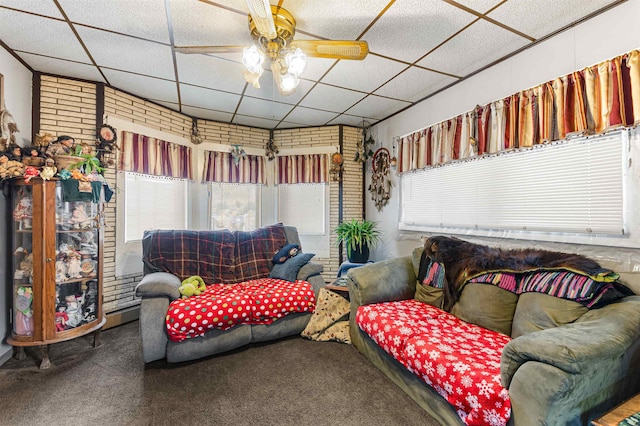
x=292, y=381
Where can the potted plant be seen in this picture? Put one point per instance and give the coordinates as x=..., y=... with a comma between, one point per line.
x=358, y=237
x=87, y=161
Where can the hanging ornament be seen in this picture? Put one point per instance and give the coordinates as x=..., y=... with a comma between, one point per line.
x=238, y=153
x=271, y=149
x=336, y=167
x=394, y=161
x=380, y=186
x=196, y=138
x=364, y=145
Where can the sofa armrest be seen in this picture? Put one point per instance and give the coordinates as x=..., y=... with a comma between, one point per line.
x=599, y=337
x=389, y=280
x=159, y=284
x=308, y=270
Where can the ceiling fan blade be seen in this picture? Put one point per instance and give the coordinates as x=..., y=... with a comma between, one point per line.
x=260, y=11
x=336, y=49
x=208, y=49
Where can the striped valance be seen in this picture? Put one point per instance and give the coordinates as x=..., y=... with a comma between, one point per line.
x=220, y=167
x=151, y=156
x=310, y=168
x=593, y=100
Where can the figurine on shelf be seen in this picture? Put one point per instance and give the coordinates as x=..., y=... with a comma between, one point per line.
x=15, y=152
x=79, y=218
x=24, y=268
x=87, y=264
x=61, y=146
x=24, y=313
x=61, y=318
x=49, y=170
x=31, y=157
x=90, y=299
x=73, y=311
x=23, y=213
x=74, y=268
x=61, y=268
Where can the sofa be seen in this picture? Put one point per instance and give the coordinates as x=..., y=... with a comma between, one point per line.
x=556, y=355
x=222, y=257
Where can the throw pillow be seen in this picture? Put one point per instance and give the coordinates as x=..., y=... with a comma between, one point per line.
x=431, y=281
x=286, y=252
x=289, y=269
x=537, y=311
x=487, y=306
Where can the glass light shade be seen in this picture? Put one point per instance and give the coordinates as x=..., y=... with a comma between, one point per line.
x=253, y=59
x=296, y=62
x=288, y=83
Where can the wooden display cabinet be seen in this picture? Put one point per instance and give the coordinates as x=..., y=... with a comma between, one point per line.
x=57, y=265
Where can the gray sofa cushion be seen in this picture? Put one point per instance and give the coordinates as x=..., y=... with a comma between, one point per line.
x=289, y=270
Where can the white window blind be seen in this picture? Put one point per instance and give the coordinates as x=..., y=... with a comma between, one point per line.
x=153, y=202
x=570, y=187
x=303, y=206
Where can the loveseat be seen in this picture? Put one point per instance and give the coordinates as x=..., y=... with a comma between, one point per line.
x=556, y=355
x=220, y=256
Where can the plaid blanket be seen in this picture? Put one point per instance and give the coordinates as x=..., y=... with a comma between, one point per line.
x=217, y=256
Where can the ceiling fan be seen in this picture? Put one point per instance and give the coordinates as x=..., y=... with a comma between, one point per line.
x=273, y=29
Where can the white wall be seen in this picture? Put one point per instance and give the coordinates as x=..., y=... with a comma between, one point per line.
x=17, y=88
x=610, y=34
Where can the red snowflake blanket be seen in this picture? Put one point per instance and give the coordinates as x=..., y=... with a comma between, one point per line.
x=461, y=361
x=222, y=306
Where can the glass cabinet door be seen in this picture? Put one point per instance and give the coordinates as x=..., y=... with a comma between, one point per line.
x=76, y=262
x=22, y=247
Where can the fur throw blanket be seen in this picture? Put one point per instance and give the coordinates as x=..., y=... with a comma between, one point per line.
x=462, y=260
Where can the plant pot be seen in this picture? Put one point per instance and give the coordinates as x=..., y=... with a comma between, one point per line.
x=359, y=256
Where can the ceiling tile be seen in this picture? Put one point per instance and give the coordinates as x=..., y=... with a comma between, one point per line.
x=411, y=28
x=42, y=36
x=207, y=114
x=47, y=8
x=542, y=17
x=309, y=117
x=480, y=6
x=333, y=19
x=497, y=42
x=349, y=120
x=127, y=53
x=366, y=75
x=145, y=87
x=60, y=67
x=209, y=99
x=141, y=18
x=414, y=84
x=201, y=24
x=317, y=67
x=331, y=98
x=263, y=108
x=245, y=120
x=210, y=71
x=377, y=107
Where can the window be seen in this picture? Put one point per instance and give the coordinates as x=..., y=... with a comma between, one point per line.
x=302, y=206
x=234, y=206
x=542, y=190
x=305, y=206
x=153, y=202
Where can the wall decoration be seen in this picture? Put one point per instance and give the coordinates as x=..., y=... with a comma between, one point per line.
x=336, y=167
x=238, y=153
x=380, y=186
x=271, y=149
x=196, y=137
x=365, y=144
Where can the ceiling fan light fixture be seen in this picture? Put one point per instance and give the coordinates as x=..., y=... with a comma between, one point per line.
x=296, y=62
x=289, y=83
x=261, y=10
x=252, y=59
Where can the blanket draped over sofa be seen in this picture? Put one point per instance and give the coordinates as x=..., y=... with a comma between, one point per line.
x=237, y=267
x=561, y=334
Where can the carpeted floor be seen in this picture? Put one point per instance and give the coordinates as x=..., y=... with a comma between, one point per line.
x=292, y=381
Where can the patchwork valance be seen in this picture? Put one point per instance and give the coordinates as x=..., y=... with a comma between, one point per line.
x=310, y=168
x=592, y=100
x=152, y=156
x=222, y=167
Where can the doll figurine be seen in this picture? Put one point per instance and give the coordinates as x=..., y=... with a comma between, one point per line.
x=61, y=269
x=73, y=311
x=23, y=212
x=61, y=146
x=61, y=318
x=79, y=218
x=49, y=170
x=74, y=268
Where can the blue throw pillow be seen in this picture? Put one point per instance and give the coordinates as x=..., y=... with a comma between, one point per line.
x=289, y=269
x=286, y=252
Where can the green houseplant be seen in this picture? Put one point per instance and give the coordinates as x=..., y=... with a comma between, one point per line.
x=358, y=237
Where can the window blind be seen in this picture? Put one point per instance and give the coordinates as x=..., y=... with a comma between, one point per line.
x=576, y=186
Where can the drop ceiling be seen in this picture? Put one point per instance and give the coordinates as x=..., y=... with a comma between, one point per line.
x=417, y=48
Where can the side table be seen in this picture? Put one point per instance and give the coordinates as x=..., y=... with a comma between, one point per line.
x=619, y=413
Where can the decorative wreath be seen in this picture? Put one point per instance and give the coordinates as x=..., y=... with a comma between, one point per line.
x=107, y=135
x=336, y=158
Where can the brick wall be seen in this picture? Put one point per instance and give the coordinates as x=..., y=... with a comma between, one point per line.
x=68, y=107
